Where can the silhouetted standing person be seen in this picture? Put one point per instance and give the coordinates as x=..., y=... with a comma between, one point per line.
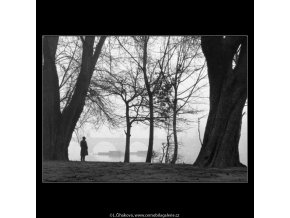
x=84, y=149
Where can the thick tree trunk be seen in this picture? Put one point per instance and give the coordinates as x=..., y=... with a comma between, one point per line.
x=128, y=135
x=72, y=112
x=50, y=98
x=228, y=94
x=151, y=131
x=57, y=149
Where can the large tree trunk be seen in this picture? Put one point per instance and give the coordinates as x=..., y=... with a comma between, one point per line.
x=50, y=97
x=57, y=149
x=151, y=131
x=72, y=112
x=128, y=135
x=228, y=94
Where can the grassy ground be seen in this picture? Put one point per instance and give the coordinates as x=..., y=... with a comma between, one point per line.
x=75, y=171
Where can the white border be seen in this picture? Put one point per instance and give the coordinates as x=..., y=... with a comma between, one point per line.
x=18, y=109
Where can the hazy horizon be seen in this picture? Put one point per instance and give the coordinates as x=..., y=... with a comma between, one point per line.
x=188, y=150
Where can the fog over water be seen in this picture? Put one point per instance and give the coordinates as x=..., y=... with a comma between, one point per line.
x=104, y=140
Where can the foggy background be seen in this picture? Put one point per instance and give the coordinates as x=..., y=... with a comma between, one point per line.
x=105, y=140
x=108, y=144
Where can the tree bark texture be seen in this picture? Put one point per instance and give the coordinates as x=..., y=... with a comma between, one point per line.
x=50, y=97
x=228, y=94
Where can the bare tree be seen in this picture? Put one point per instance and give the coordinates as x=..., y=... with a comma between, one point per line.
x=184, y=63
x=125, y=84
x=98, y=108
x=167, y=147
x=152, y=74
x=58, y=126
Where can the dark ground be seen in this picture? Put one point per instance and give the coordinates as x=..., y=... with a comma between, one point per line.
x=75, y=171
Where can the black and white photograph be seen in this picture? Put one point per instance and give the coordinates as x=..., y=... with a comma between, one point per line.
x=144, y=108
x=118, y=109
